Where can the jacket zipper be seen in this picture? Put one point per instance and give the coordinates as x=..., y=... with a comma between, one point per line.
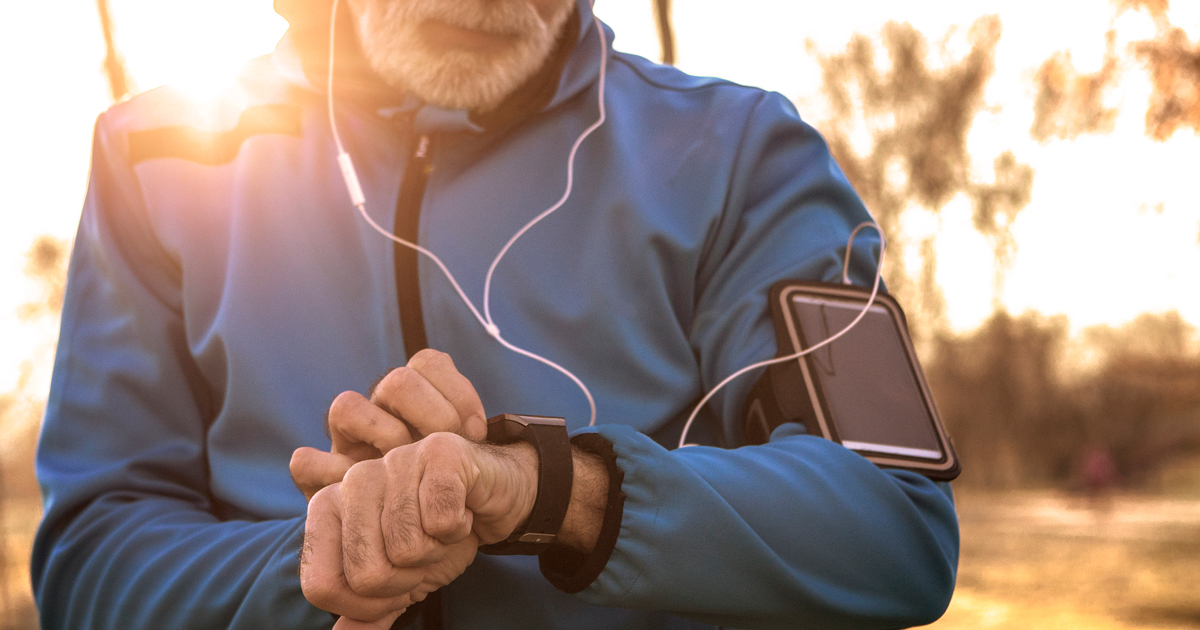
x=407, y=224
x=412, y=319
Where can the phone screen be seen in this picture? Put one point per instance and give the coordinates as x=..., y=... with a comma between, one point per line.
x=866, y=376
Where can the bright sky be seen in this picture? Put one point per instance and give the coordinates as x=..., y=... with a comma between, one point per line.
x=1113, y=229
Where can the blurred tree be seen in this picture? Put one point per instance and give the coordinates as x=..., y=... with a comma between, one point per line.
x=1174, y=65
x=1018, y=417
x=120, y=83
x=999, y=394
x=1070, y=103
x=916, y=119
x=996, y=207
x=20, y=411
x=6, y=402
x=1156, y=8
x=46, y=263
x=666, y=31
x=1145, y=396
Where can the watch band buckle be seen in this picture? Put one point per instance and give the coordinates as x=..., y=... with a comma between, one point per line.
x=543, y=539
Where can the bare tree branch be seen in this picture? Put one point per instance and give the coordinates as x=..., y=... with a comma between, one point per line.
x=666, y=32
x=1174, y=65
x=119, y=82
x=1070, y=103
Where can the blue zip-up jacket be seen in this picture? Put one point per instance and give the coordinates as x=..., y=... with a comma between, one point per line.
x=222, y=291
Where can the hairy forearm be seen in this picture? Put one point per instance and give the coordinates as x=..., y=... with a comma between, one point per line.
x=589, y=499
x=589, y=493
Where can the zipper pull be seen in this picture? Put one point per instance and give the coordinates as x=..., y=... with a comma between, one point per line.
x=422, y=147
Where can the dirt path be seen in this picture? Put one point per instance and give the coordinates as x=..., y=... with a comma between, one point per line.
x=1048, y=560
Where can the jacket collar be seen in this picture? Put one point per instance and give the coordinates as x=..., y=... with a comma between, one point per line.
x=302, y=56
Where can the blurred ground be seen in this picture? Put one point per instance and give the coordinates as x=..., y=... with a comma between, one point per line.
x=1052, y=560
x=19, y=516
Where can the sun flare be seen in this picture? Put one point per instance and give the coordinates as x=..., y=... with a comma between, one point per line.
x=197, y=51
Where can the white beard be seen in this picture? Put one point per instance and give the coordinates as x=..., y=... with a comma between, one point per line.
x=456, y=79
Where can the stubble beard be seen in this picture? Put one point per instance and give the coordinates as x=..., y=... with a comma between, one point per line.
x=399, y=53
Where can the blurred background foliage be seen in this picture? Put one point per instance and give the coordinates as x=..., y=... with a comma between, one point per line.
x=1024, y=403
x=1028, y=404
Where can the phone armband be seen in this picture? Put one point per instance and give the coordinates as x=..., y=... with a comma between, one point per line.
x=865, y=390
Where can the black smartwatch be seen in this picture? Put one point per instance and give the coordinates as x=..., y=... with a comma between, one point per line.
x=555, y=474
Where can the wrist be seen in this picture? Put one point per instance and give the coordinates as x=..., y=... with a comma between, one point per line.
x=547, y=474
x=589, y=501
x=511, y=489
x=589, y=493
x=523, y=459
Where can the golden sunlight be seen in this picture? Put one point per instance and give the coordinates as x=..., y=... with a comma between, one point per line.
x=195, y=48
x=1052, y=262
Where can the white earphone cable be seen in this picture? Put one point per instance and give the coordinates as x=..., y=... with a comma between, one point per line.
x=792, y=357
x=358, y=199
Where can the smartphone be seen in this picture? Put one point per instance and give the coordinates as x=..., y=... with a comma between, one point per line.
x=865, y=390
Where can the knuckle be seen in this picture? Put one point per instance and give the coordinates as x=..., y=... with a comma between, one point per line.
x=467, y=399
x=362, y=474
x=367, y=581
x=386, y=385
x=405, y=378
x=319, y=591
x=356, y=552
x=397, y=383
x=429, y=357
x=403, y=548
x=443, y=505
x=438, y=444
x=395, y=457
x=341, y=406
x=322, y=497
x=401, y=531
x=296, y=464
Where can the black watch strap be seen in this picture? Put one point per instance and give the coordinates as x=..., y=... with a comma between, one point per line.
x=555, y=475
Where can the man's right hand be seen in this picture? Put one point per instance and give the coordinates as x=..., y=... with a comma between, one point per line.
x=427, y=396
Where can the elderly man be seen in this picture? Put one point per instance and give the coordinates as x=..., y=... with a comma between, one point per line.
x=224, y=290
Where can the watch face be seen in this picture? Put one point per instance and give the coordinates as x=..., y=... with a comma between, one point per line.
x=509, y=426
x=527, y=420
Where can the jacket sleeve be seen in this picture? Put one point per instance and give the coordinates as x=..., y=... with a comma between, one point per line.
x=799, y=532
x=122, y=453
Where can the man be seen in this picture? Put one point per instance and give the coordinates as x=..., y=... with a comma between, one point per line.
x=223, y=291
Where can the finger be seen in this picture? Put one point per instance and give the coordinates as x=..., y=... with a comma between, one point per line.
x=369, y=571
x=321, y=575
x=313, y=469
x=406, y=394
x=404, y=538
x=438, y=368
x=443, y=491
x=346, y=623
x=362, y=430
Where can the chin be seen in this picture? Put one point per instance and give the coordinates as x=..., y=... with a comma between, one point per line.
x=454, y=78
x=466, y=80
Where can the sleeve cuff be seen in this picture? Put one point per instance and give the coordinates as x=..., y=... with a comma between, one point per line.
x=572, y=571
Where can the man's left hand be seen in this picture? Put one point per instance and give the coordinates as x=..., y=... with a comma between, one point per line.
x=399, y=527
x=427, y=396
